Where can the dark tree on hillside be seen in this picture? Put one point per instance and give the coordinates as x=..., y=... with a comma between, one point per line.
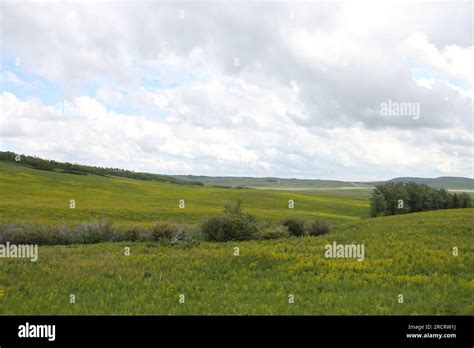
x=378, y=206
x=396, y=197
x=443, y=199
x=465, y=200
x=415, y=197
x=455, y=201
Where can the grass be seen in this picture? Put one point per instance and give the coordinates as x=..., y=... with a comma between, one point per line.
x=409, y=255
x=404, y=254
x=30, y=195
x=345, y=192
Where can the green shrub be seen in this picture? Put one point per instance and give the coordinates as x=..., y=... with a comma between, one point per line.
x=94, y=232
x=295, y=226
x=183, y=237
x=273, y=232
x=62, y=235
x=317, y=228
x=20, y=234
x=232, y=225
x=26, y=233
x=234, y=209
x=134, y=234
x=163, y=232
x=229, y=227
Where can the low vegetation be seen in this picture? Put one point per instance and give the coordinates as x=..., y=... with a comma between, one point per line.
x=191, y=251
x=408, y=254
x=232, y=225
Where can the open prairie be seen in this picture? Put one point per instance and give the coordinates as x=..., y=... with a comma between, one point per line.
x=409, y=255
x=30, y=195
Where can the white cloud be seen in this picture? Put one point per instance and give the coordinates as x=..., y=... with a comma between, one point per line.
x=453, y=60
x=304, y=100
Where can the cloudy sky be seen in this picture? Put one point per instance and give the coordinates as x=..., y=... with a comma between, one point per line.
x=254, y=89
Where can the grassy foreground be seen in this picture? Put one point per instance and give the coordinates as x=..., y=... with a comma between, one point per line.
x=406, y=254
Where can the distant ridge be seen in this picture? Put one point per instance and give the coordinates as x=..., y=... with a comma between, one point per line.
x=80, y=169
x=447, y=182
x=451, y=182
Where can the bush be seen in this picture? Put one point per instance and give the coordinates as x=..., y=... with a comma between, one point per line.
x=134, y=234
x=62, y=235
x=23, y=234
x=94, y=232
x=163, y=232
x=317, y=228
x=295, y=226
x=273, y=232
x=182, y=237
x=229, y=227
x=232, y=225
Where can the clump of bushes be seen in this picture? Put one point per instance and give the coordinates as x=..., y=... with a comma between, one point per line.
x=233, y=224
x=24, y=234
x=302, y=227
x=167, y=233
x=94, y=232
x=295, y=226
x=316, y=227
x=163, y=231
x=273, y=231
x=91, y=232
x=134, y=234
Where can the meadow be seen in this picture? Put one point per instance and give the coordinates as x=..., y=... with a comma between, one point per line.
x=409, y=255
x=30, y=195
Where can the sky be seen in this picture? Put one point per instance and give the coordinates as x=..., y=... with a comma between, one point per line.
x=358, y=91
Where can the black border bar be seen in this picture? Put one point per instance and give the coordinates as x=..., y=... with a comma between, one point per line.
x=275, y=330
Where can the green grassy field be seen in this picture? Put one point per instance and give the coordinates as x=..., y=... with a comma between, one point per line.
x=409, y=255
x=40, y=196
x=345, y=192
x=405, y=254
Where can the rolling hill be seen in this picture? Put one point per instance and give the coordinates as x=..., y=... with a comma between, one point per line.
x=411, y=254
x=448, y=182
x=31, y=195
x=454, y=183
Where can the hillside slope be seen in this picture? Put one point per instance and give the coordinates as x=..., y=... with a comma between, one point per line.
x=30, y=195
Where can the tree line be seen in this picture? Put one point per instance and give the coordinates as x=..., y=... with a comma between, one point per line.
x=403, y=198
x=79, y=169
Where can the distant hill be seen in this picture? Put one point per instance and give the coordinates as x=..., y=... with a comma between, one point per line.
x=449, y=182
x=270, y=182
x=80, y=169
x=453, y=183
